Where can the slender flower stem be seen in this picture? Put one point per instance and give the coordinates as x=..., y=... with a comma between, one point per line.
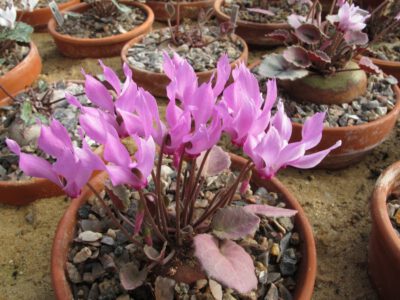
x=193, y=200
x=111, y=215
x=157, y=183
x=189, y=191
x=177, y=201
x=150, y=217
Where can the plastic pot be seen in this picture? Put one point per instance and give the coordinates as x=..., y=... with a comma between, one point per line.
x=156, y=83
x=384, y=243
x=22, y=75
x=67, y=226
x=98, y=47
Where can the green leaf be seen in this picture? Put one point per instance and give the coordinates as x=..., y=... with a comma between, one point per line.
x=26, y=113
x=41, y=117
x=2, y=61
x=42, y=85
x=122, y=8
x=20, y=33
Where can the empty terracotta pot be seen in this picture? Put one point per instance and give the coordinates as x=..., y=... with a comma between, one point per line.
x=22, y=75
x=98, y=47
x=156, y=83
x=253, y=33
x=39, y=17
x=188, y=10
x=384, y=243
x=66, y=231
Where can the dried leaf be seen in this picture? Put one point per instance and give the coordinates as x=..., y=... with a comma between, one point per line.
x=130, y=276
x=226, y=262
x=153, y=254
x=234, y=223
x=356, y=38
x=217, y=161
x=269, y=211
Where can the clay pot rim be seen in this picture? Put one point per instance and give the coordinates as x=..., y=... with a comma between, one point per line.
x=368, y=125
x=382, y=62
x=243, y=56
x=51, y=26
x=32, y=50
x=220, y=14
x=33, y=180
x=387, y=181
x=183, y=3
x=66, y=227
x=43, y=9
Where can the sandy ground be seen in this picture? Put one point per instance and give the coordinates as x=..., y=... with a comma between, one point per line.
x=336, y=203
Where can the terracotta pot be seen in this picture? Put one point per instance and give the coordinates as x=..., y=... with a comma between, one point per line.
x=253, y=33
x=23, y=192
x=22, y=75
x=384, y=243
x=342, y=87
x=98, y=47
x=38, y=18
x=66, y=231
x=156, y=83
x=188, y=10
x=357, y=140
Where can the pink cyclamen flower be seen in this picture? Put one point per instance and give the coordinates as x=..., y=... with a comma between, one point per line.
x=242, y=108
x=73, y=167
x=349, y=18
x=397, y=17
x=271, y=150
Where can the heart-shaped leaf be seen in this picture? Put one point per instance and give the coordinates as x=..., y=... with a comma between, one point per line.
x=269, y=211
x=226, y=262
x=297, y=56
x=130, y=276
x=153, y=254
x=319, y=56
x=276, y=66
x=234, y=223
x=308, y=33
x=279, y=35
x=217, y=161
x=368, y=66
x=356, y=38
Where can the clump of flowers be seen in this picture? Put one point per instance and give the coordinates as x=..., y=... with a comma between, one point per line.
x=126, y=121
x=12, y=31
x=319, y=46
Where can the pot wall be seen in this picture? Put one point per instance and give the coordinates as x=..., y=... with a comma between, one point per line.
x=188, y=10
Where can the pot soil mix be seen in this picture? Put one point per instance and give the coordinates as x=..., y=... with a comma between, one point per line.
x=40, y=4
x=11, y=55
x=377, y=102
x=19, y=121
x=148, y=54
x=387, y=49
x=278, y=11
x=393, y=208
x=102, y=21
x=100, y=252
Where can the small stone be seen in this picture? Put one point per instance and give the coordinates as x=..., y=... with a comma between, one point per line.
x=397, y=217
x=273, y=277
x=272, y=293
x=284, y=293
x=164, y=288
x=123, y=297
x=381, y=111
x=201, y=283
x=90, y=236
x=107, y=240
x=288, y=263
x=372, y=104
x=111, y=233
x=94, y=292
x=88, y=277
x=216, y=289
x=82, y=255
x=275, y=251
x=73, y=273
x=30, y=217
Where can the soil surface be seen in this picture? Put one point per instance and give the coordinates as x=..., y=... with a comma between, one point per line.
x=336, y=203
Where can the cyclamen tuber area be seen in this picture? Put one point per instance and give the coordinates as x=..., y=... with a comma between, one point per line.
x=200, y=149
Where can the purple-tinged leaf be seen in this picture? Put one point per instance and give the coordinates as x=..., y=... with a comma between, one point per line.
x=217, y=161
x=356, y=38
x=308, y=33
x=234, y=223
x=368, y=66
x=297, y=56
x=130, y=276
x=261, y=11
x=319, y=56
x=275, y=66
x=226, y=262
x=269, y=211
x=153, y=254
x=279, y=35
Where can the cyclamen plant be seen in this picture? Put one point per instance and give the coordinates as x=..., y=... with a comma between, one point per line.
x=127, y=123
x=320, y=47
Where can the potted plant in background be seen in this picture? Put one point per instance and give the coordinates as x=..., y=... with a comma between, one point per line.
x=188, y=9
x=317, y=74
x=20, y=62
x=100, y=28
x=383, y=29
x=200, y=43
x=37, y=13
x=170, y=226
x=384, y=241
x=257, y=18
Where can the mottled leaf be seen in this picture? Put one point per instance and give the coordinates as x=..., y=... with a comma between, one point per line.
x=319, y=56
x=356, y=38
x=226, y=262
x=269, y=211
x=234, y=223
x=217, y=161
x=130, y=276
x=20, y=33
x=275, y=66
x=297, y=56
x=368, y=66
x=308, y=33
x=153, y=254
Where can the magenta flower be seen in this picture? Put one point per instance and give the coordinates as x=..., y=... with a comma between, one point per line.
x=397, y=17
x=73, y=167
x=349, y=18
x=271, y=150
x=242, y=108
